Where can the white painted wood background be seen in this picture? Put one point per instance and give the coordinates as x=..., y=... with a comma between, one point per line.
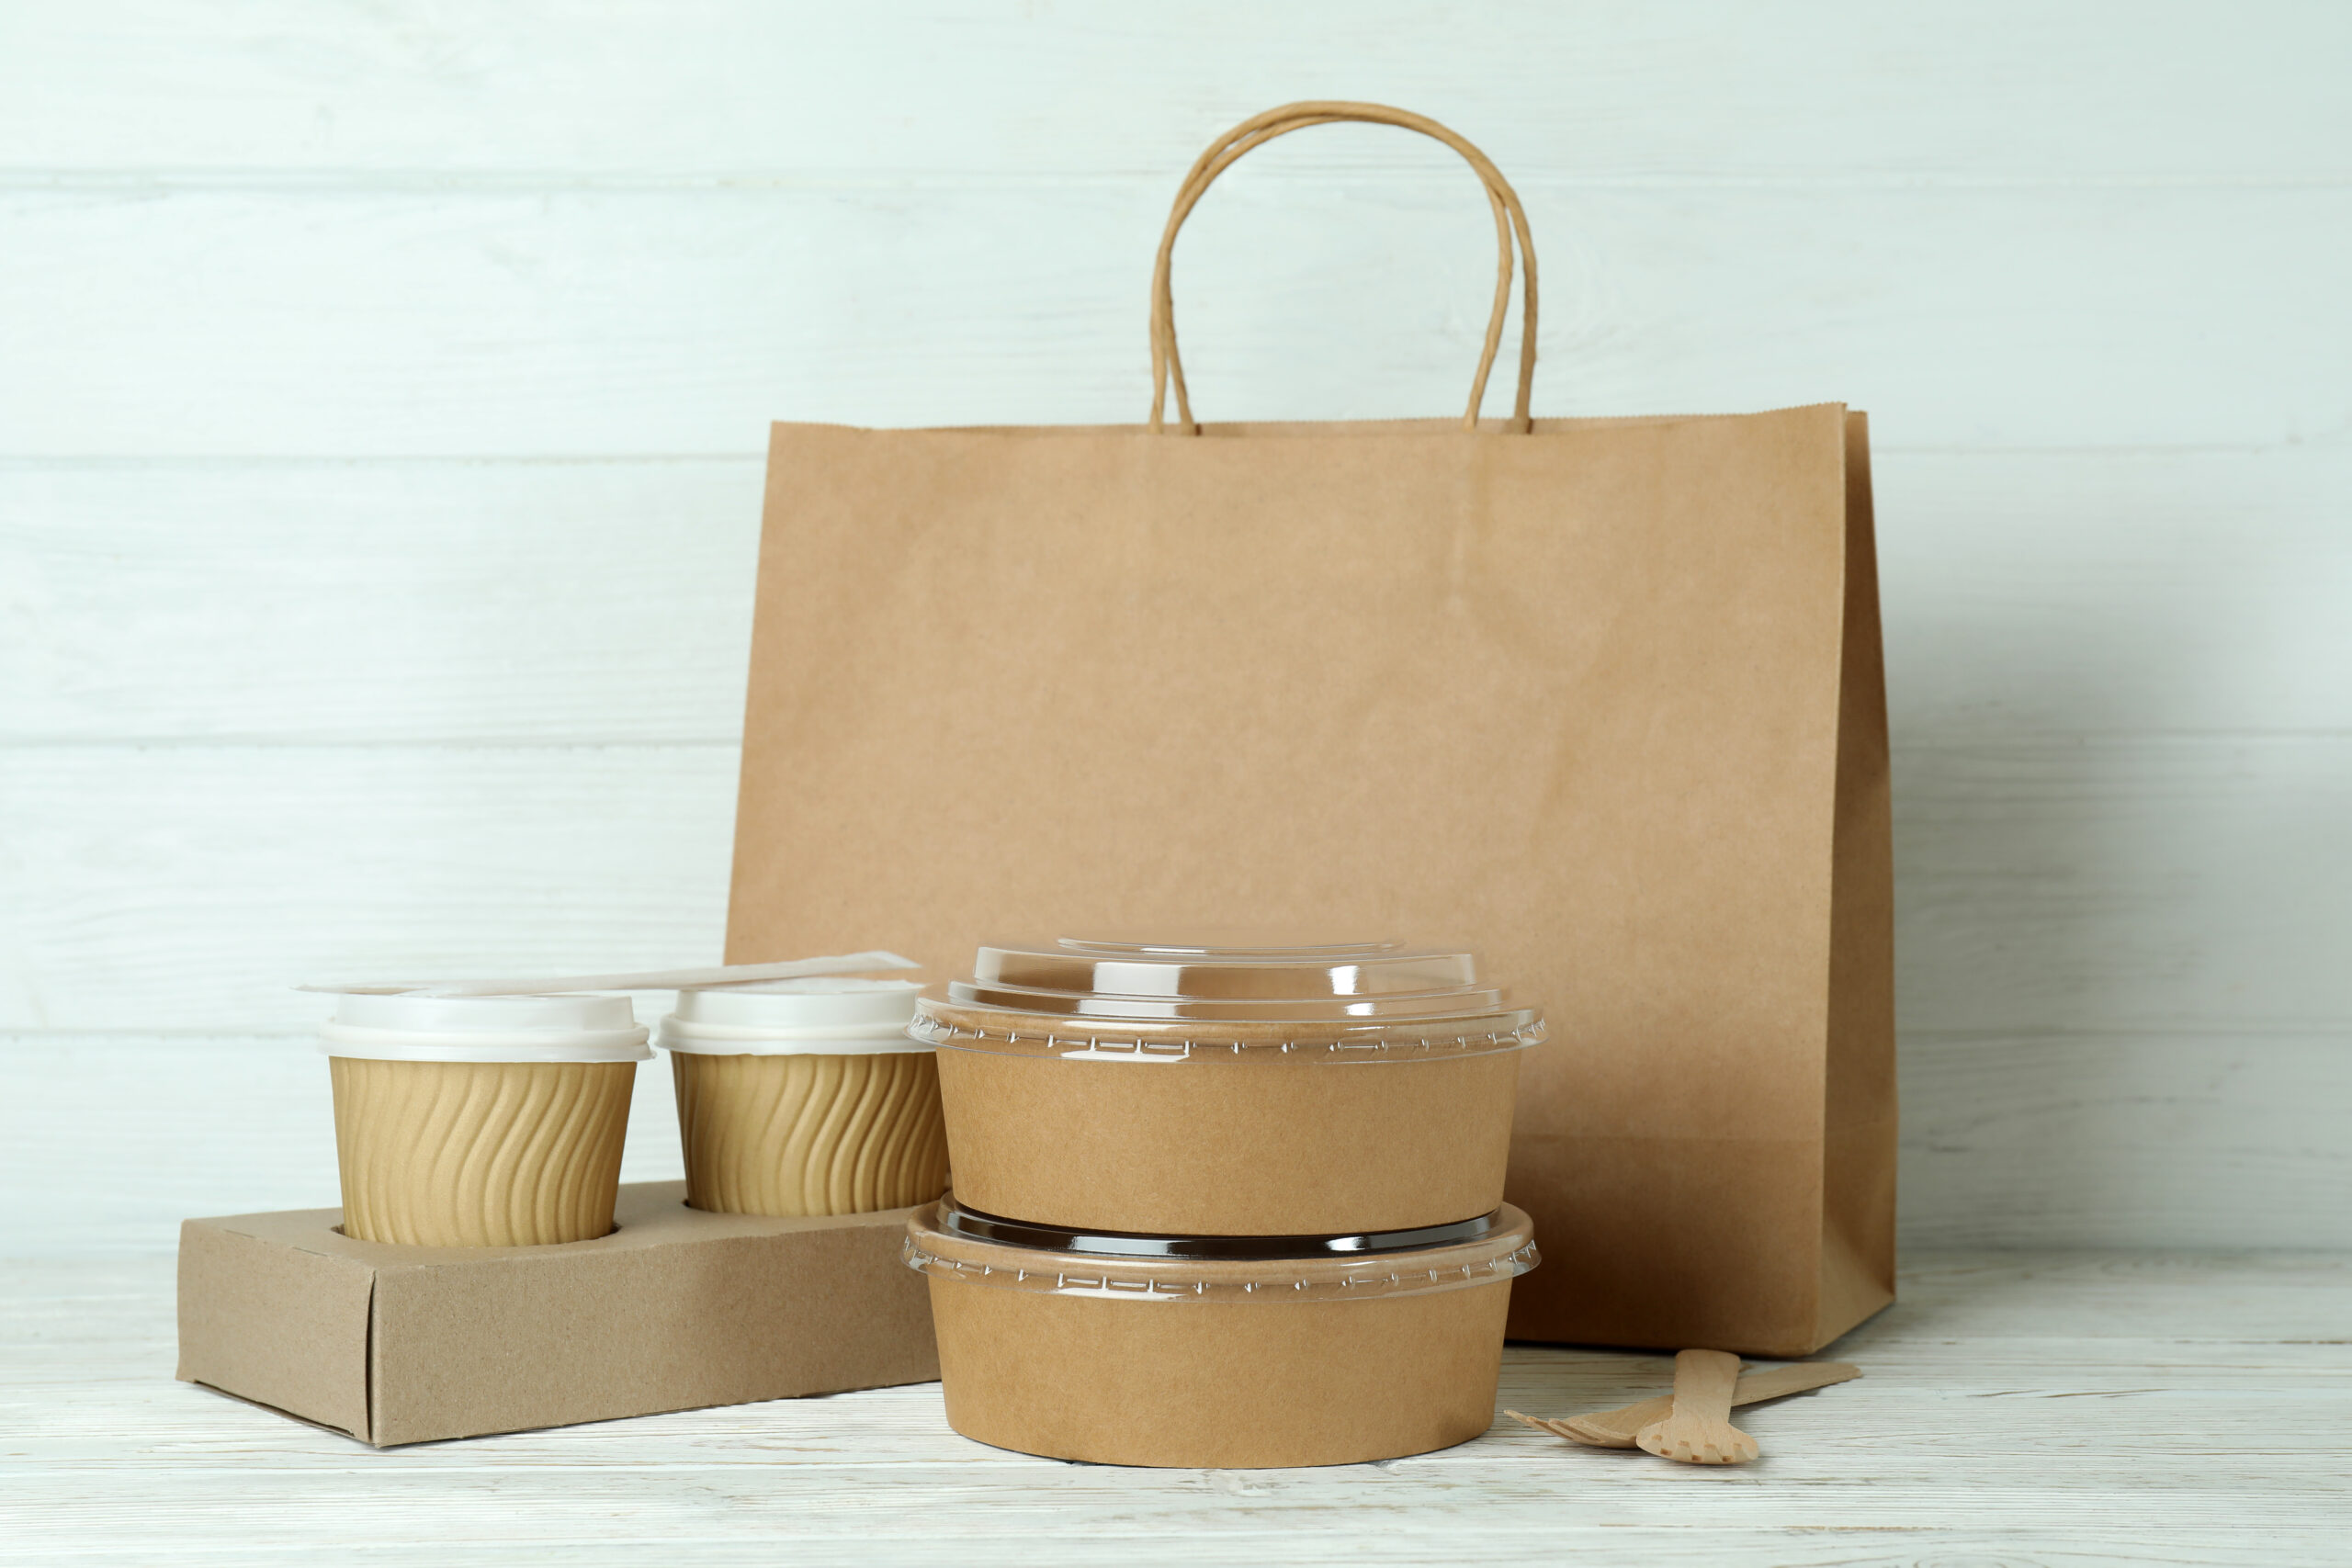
x=383, y=389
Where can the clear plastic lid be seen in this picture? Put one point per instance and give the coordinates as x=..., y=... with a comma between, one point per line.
x=1138, y=1000
x=834, y=1015
x=1502, y=1247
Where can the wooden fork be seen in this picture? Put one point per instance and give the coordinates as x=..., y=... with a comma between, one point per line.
x=1617, y=1428
x=1699, y=1429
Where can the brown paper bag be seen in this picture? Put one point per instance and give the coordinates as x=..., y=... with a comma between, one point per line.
x=1602, y=698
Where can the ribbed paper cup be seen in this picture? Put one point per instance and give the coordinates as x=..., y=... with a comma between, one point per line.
x=481, y=1121
x=806, y=1097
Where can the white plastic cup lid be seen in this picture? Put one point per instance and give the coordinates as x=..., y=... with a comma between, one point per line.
x=829, y=1015
x=417, y=1028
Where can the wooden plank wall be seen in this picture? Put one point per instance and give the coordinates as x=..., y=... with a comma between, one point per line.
x=383, y=389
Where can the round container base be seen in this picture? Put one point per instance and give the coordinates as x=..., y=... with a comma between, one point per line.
x=1246, y=1384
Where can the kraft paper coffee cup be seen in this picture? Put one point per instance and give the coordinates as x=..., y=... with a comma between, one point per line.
x=1196, y=1352
x=481, y=1121
x=1193, y=1088
x=806, y=1097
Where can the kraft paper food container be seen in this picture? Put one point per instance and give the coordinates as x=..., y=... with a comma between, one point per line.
x=806, y=1097
x=481, y=1121
x=1227, y=1090
x=1218, y=1352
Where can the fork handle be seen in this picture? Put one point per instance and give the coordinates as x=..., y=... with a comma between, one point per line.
x=1704, y=1381
x=1618, y=1428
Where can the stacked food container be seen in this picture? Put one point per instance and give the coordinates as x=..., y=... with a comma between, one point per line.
x=1223, y=1205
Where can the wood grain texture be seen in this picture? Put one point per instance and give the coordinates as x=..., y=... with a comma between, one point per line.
x=2156, y=885
x=2036, y=1142
x=386, y=386
x=377, y=604
x=2121, y=1018
x=2114, y=594
x=1617, y=1428
x=337, y=323
x=2041, y=1409
x=2149, y=885
x=2127, y=1140
x=213, y=879
x=1696, y=90
x=2027, y=594
x=1696, y=1428
x=201, y=1126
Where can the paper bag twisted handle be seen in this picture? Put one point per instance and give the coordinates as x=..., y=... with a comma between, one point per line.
x=1511, y=217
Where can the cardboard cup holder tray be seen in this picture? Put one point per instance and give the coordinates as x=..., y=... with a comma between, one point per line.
x=675, y=1309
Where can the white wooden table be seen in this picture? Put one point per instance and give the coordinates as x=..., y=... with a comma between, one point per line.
x=2015, y=1408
